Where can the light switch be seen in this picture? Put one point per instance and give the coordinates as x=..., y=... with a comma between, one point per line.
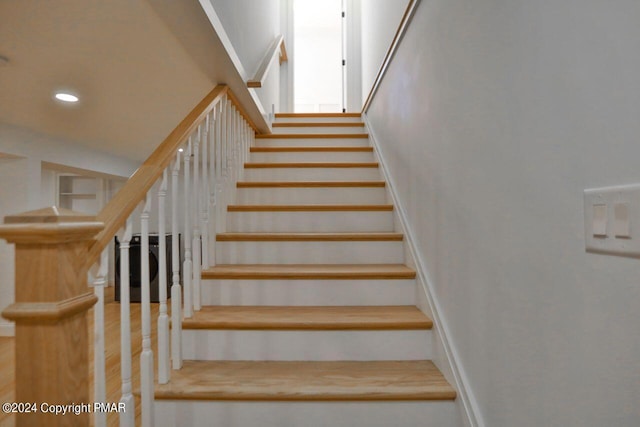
x=608, y=216
x=621, y=226
x=599, y=220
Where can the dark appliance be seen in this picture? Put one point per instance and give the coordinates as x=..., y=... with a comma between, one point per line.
x=135, y=277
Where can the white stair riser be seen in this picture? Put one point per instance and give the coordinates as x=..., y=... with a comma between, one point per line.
x=312, y=195
x=319, y=222
x=305, y=292
x=197, y=413
x=210, y=344
x=318, y=120
x=312, y=142
x=320, y=129
x=349, y=252
x=312, y=156
x=312, y=174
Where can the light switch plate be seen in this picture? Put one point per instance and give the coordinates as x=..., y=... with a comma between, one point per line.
x=612, y=231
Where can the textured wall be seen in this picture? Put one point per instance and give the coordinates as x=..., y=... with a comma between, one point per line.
x=493, y=118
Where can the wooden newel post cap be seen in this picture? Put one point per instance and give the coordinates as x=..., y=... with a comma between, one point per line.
x=50, y=225
x=51, y=245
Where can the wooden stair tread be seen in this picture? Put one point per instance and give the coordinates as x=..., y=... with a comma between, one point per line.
x=265, y=165
x=308, y=208
x=309, y=271
x=316, y=124
x=312, y=135
x=302, y=237
x=307, y=381
x=309, y=149
x=308, y=318
x=314, y=184
x=320, y=115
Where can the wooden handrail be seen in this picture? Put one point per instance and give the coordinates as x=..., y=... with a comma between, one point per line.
x=276, y=48
x=404, y=23
x=116, y=212
x=283, y=53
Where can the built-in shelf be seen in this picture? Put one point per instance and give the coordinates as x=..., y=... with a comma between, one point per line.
x=79, y=192
x=79, y=195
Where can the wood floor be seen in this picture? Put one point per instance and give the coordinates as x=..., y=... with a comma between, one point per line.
x=7, y=362
x=112, y=356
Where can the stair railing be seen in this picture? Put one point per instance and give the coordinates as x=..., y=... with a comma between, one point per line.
x=56, y=248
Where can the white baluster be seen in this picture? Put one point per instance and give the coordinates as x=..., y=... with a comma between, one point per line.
x=196, y=247
x=204, y=195
x=237, y=153
x=146, y=357
x=176, y=289
x=221, y=167
x=127, y=417
x=163, y=318
x=99, y=377
x=213, y=159
x=226, y=159
x=186, y=268
x=230, y=155
x=245, y=150
x=225, y=140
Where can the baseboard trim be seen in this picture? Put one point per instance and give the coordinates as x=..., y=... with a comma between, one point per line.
x=470, y=405
x=7, y=329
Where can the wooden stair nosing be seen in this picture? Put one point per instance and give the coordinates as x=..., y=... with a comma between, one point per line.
x=309, y=208
x=316, y=124
x=301, y=149
x=315, y=318
x=310, y=271
x=304, y=165
x=307, y=381
x=308, y=237
x=309, y=184
x=318, y=115
x=312, y=136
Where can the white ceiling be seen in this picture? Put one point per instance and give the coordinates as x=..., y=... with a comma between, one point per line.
x=138, y=67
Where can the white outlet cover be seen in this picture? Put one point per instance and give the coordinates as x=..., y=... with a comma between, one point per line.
x=609, y=243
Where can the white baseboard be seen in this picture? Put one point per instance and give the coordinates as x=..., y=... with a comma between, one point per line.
x=455, y=370
x=7, y=329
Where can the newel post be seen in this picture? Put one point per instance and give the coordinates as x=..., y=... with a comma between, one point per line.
x=50, y=312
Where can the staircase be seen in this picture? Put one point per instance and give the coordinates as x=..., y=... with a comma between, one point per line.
x=309, y=317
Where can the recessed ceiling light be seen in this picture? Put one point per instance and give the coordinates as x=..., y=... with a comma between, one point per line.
x=181, y=149
x=66, y=97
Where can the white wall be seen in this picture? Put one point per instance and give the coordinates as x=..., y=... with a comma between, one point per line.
x=493, y=118
x=23, y=185
x=380, y=20
x=252, y=26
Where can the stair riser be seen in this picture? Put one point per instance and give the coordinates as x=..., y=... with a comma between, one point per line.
x=313, y=156
x=312, y=195
x=320, y=129
x=318, y=120
x=312, y=174
x=206, y=344
x=305, y=292
x=196, y=413
x=312, y=142
x=334, y=221
x=350, y=252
